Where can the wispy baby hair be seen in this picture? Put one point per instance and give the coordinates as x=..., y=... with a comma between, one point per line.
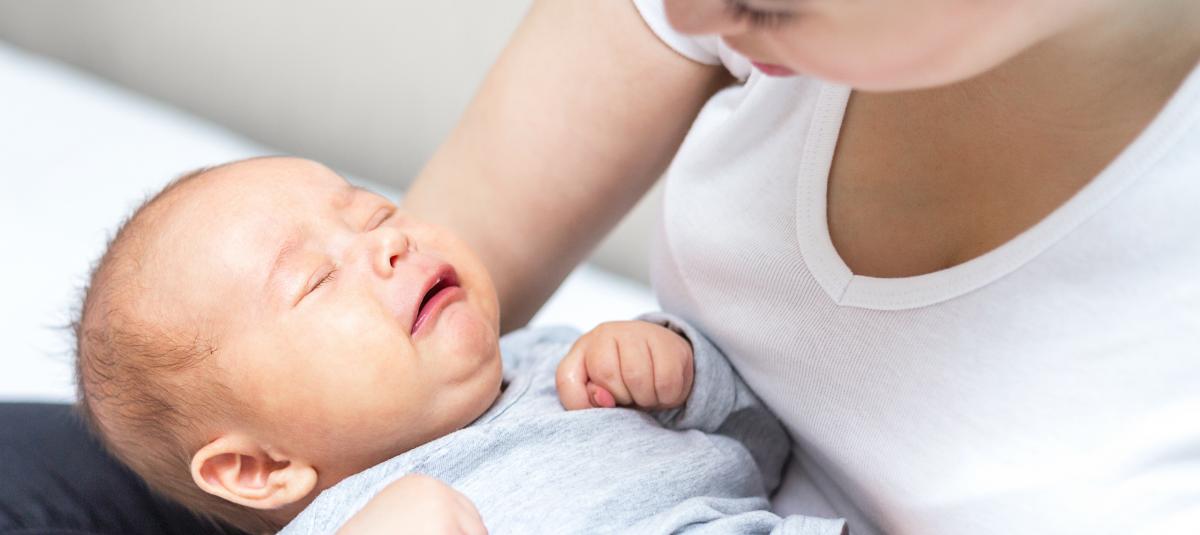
x=144, y=388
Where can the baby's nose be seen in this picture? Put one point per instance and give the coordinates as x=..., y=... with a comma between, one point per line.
x=392, y=246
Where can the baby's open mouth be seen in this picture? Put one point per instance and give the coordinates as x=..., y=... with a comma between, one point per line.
x=442, y=288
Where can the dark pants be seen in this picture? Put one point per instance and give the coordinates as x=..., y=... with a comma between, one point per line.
x=55, y=479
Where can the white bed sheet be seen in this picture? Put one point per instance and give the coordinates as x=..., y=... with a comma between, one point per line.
x=76, y=155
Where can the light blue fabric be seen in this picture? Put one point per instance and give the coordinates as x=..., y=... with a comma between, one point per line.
x=531, y=467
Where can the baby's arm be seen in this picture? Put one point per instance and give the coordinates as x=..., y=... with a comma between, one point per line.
x=702, y=392
x=652, y=364
x=698, y=390
x=416, y=504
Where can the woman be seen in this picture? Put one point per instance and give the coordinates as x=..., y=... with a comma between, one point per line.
x=967, y=286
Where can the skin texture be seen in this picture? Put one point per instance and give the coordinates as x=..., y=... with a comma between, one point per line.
x=882, y=44
x=308, y=289
x=628, y=364
x=341, y=352
x=576, y=120
x=1017, y=104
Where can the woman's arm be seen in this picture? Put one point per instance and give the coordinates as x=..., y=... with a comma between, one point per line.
x=580, y=115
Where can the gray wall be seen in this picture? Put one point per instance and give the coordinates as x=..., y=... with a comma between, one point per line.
x=368, y=86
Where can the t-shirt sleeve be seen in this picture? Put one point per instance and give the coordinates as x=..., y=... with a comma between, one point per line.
x=707, y=49
x=721, y=403
x=702, y=49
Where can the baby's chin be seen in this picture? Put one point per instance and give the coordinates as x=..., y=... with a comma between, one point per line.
x=463, y=327
x=466, y=346
x=454, y=406
x=481, y=390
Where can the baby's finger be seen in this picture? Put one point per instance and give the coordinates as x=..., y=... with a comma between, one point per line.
x=672, y=375
x=637, y=371
x=571, y=379
x=604, y=369
x=601, y=398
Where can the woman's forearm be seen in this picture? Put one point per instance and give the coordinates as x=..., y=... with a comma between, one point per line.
x=577, y=119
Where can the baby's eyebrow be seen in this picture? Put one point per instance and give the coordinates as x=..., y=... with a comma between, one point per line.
x=345, y=196
x=286, y=249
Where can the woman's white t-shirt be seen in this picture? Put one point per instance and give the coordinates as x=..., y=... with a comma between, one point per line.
x=1051, y=385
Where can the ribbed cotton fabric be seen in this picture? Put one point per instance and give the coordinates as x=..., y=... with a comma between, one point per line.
x=1051, y=385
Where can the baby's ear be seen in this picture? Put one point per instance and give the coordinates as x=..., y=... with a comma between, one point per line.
x=237, y=468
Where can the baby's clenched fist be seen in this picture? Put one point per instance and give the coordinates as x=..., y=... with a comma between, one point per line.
x=626, y=363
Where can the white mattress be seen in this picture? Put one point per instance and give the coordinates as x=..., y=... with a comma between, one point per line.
x=76, y=155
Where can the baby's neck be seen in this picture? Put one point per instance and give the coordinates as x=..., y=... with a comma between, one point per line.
x=330, y=476
x=282, y=516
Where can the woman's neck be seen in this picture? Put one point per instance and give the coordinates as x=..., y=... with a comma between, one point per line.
x=987, y=158
x=1108, y=74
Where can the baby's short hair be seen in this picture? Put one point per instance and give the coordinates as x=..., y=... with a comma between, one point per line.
x=144, y=388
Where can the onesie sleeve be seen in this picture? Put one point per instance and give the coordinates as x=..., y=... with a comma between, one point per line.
x=721, y=403
x=533, y=349
x=712, y=518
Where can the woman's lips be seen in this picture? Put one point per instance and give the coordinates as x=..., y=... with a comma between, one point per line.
x=771, y=69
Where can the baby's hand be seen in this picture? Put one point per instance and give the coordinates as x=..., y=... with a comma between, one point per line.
x=626, y=363
x=417, y=504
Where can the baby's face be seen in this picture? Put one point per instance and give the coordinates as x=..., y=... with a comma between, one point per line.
x=349, y=331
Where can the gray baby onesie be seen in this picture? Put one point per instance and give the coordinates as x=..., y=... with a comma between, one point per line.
x=531, y=467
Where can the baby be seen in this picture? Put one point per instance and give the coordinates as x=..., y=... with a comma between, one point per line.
x=277, y=349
